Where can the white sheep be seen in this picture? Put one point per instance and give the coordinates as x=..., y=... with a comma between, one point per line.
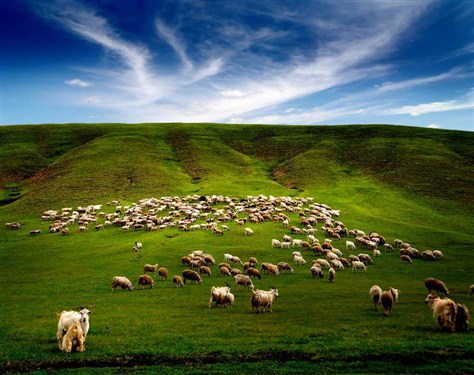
x=358, y=266
x=261, y=298
x=67, y=318
x=122, y=282
x=248, y=232
x=276, y=243
x=299, y=260
x=444, y=311
x=375, y=293
x=350, y=245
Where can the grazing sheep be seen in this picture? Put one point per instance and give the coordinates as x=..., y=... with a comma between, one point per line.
x=331, y=275
x=137, y=247
x=350, y=245
x=323, y=263
x=376, y=293
x=388, y=248
x=316, y=272
x=376, y=253
x=243, y=280
x=436, y=285
x=358, y=266
x=444, y=311
x=283, y=266
x=178, y=281
x=406, y=259
x=276, y=243
x=122, y=282
x=248, y=232
x=74, y=338
x=253, y=272
x=387, y=298
x=261, y=298
x=35, y=232
x=163, y=273
x=438, y=255
x=253, y=261
x=206, y=270
x=144, y=280
x=337, y=264
x=186, y=260
x=150, y=268
x=67, y=318
x=299, y=260
x=192, y=276
x=225, y=271
x=231, y=258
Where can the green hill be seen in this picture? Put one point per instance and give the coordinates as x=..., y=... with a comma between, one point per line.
x=74, y=163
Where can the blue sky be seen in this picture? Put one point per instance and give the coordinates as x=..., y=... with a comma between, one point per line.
x=269, y=62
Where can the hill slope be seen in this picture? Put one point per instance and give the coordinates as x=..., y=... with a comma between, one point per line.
x=74, y=163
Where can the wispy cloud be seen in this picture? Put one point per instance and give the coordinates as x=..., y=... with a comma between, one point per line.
x=78, y=83
x=465, y=102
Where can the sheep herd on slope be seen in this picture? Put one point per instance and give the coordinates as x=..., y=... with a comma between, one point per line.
x=214, y=213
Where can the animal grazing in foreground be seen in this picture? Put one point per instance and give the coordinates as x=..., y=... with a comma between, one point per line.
x=253, y=272
x=178, y=281
x=74, y=338
x=192, y=276
x=376, y=293
x=436, y=285
x=150, y=268
x=261, y=298
x=206, y=270
x=444, y=311
x=283, y=266
x=122, y=282
x=144, y=280
x=387, y=298
x=163, y=273
x=67, y=318
x=248, y=232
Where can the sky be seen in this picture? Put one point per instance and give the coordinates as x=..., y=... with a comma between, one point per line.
x=298, y=62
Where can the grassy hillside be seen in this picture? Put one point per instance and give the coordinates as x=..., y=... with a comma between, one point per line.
x=403, y=182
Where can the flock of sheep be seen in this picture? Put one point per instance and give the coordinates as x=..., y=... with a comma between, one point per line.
x=213, y=213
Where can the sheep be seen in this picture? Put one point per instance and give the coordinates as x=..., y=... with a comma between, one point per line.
x=276, y=243
x=438, y=255
x=444, y=311
x=438, y=286
x=206, y=270
x=186, y=260
x=235, y=271
x=209, y=259
x=332, y=275
x=243, y=280
x=163, y=273
x=376, y=253
x=323, y=263
x=178, y=281
x=471, y=288
x=350, y=245
x=387, y=298
x=122, y=282
x=224, y=271
x=337, y=264
x=272, y=269
x=231, y=258
x=365, y=258
x=137, y=247
x=192, y=276
x=316, y=272
x=261, y=298
x=253, y=261
x=299, y=260
x=67, y=319
x=248, y=232
x=74, y=337
x=253, y=272
x=356, y=266
x=35, y=232
x=283, y=266
x=406, y=259
x=150, y=268
x=144, y=280
x=285, y=245
x=376, y=293
x=218, y=295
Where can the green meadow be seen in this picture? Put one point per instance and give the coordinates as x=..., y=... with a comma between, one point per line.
x=402, y=182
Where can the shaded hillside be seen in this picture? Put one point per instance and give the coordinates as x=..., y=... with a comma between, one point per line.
x=47, y=164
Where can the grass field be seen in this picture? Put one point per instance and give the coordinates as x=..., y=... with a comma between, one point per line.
x=408, y=183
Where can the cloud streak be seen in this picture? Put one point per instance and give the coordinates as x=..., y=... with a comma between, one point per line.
x=78, y=83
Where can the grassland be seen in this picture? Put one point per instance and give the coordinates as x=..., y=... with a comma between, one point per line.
x=409, y=183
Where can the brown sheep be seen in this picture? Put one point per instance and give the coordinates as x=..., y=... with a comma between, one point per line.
x=192, y=276
x=444, y=311
x=144, y=280
x=387, y=298
x=437, y=286
x=163, y=273
x=253, y=272
x=405, y=258
x=150, y=268
x=178, y=281
x=206, y=270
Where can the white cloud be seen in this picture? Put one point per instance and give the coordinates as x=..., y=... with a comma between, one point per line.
x=93, y=100
x=233, y=93
x=78, y=83
x=433, y=126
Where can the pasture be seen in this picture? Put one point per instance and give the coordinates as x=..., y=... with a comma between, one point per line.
x=315, y=326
